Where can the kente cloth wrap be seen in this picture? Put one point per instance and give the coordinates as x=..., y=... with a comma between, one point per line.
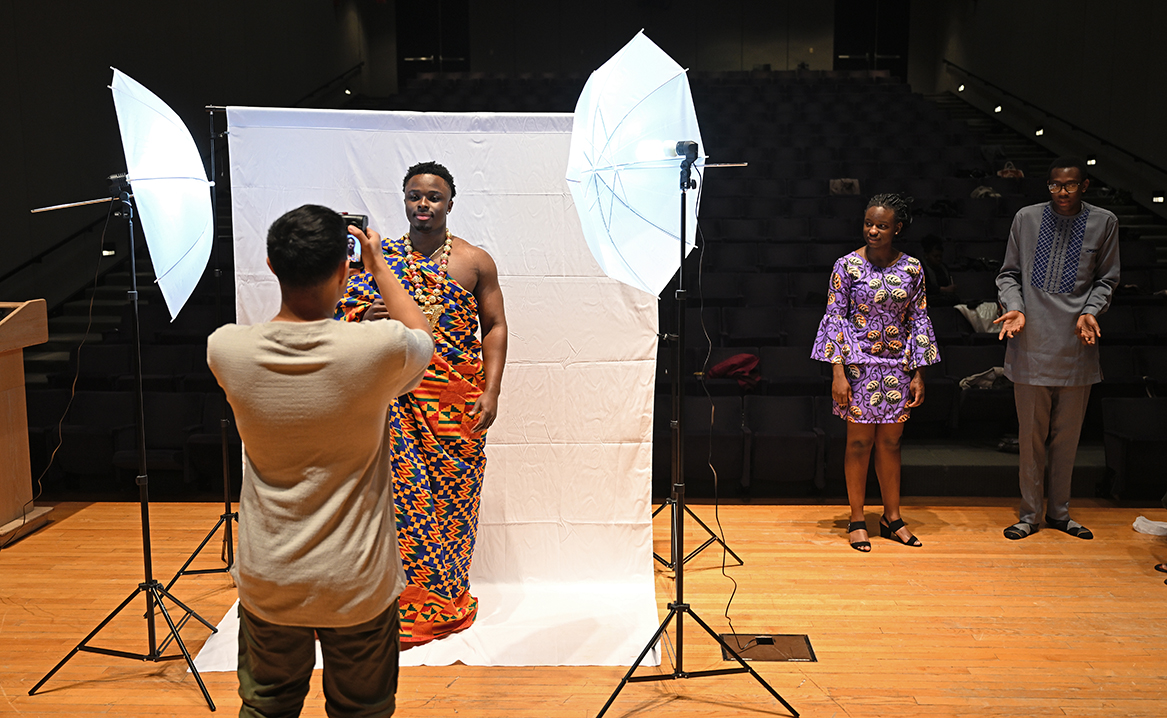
x=877, y=326
x=438, y=460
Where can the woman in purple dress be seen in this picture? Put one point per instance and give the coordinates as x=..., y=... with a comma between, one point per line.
x=877, y=338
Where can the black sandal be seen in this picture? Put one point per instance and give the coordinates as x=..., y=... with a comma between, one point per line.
x=1020, y=530
x=864, y=546
x=1070, y=527
x=888, y=531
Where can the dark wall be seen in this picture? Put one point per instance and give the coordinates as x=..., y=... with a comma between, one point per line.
x=571, y=36
x=56, y=111
x=1097, y=63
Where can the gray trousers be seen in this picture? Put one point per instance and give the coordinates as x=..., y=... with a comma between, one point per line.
x=1049, y=422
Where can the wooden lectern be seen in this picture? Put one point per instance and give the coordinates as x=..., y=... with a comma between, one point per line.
x=22, y=324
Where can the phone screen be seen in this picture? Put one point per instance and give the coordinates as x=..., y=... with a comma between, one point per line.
x=361, y=222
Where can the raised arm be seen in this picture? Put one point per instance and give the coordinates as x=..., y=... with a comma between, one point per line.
x=397, y=300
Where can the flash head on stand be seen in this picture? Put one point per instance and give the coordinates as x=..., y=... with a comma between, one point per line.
x=118, y=183
x=688, y=150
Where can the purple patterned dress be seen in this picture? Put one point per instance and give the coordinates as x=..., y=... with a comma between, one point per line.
x=876, y=324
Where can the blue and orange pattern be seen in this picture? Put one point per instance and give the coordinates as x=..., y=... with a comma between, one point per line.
x=438, y=460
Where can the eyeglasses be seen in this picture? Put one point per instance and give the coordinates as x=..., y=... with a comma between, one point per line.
x=1070, y=187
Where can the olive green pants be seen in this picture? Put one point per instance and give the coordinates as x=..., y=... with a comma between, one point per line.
x=360, y=666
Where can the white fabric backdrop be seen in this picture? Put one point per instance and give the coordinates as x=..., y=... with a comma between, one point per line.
x=563, y=565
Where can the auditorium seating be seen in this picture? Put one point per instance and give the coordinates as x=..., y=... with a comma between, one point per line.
x=171, y=418
x=768, y=235
x=784, y=445
x=1135, y=439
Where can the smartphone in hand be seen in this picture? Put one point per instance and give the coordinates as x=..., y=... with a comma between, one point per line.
x=361, y=222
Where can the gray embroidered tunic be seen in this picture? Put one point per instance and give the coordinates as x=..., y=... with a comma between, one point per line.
x=1057, y=268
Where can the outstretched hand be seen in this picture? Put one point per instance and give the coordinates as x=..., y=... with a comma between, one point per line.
x=1012, y=322
x=1087, y=330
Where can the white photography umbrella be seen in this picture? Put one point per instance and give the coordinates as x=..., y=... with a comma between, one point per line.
x=623, y=169
x=170, y=188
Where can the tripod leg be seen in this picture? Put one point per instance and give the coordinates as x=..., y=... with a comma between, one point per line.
x=729, y=649
x=636, y=664
x=178, y=639
x=667, y=563
x=713, y=537
x=182, y=571
x=186, y=608
x=85, y=640
x=228, y=554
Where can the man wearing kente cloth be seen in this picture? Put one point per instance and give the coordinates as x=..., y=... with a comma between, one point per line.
x=439, y=429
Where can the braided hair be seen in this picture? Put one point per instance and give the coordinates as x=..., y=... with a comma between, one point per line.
x=898, y=204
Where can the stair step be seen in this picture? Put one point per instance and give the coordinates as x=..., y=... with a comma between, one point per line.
x=100, y=307
x=122, y=279
x=1146, y=227
x=1034, y=158
x=77, y=324
x=1119, y=209
x=112, y=292
x=45, y=362
x=70, y=339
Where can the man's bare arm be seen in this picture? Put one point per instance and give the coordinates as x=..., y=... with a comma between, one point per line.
x=492, y=319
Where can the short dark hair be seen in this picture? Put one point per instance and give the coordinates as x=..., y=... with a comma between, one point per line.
x=1064, y=163
x=898, y=204
x=430, y=168
x=930, y=242
x=306, y=245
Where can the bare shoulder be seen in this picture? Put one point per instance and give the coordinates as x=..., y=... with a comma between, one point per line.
x=478, y=257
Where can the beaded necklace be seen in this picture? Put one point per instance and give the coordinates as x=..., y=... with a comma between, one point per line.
x=431, y=303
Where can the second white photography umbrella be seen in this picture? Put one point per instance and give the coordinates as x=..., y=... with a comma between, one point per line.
x=623, y=169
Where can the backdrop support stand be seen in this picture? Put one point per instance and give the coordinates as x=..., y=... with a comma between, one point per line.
x=678, y=609
x=150, y=586
x=229, y=515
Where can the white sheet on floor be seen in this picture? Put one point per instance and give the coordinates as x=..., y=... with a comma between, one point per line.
x=517, y=625
x=563, y=563
x=1145, y=525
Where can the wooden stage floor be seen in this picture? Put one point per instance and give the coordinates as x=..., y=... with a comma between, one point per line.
x=970, y=624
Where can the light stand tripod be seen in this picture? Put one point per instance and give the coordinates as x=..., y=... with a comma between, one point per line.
x=149, y=586
x=677, y=389
x=678, y=608
x=228, y=515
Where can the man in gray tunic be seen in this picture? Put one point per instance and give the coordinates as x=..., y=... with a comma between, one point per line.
x=1060, y=268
